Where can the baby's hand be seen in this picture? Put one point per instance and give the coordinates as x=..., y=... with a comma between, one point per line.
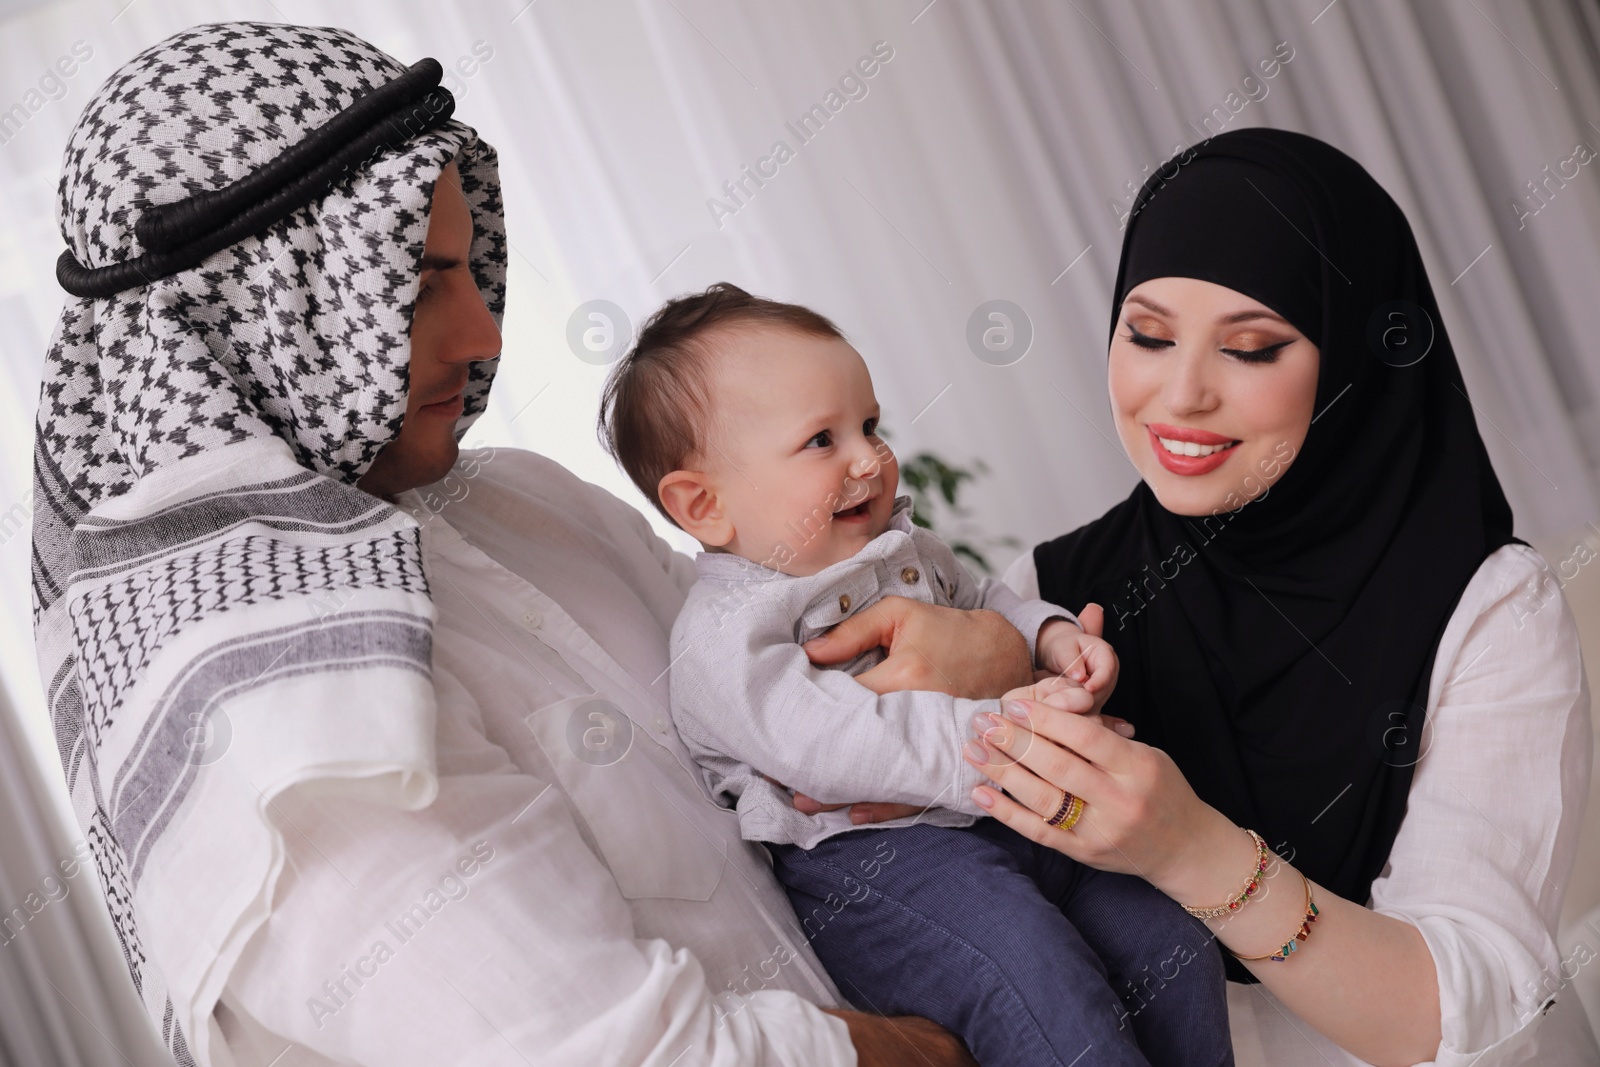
x=1056, y=691
x=1081, y=657
x=1068, y=695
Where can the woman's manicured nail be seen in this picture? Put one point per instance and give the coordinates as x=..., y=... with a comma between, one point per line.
x=1017, y=710
x=1124, y=728
x=975, y=752
x=981, y=797
x=983, y=722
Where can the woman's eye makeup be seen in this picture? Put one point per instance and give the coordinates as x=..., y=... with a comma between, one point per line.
x=1264, y=354
x=1145, y=340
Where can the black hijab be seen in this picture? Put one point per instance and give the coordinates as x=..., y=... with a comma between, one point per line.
x=1281, y=653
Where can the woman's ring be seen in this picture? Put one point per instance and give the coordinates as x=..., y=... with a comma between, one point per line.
x=1067, y=814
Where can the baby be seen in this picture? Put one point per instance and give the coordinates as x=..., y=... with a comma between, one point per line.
x=752, y=425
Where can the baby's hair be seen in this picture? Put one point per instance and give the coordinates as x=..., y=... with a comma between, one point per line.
x=655, y=408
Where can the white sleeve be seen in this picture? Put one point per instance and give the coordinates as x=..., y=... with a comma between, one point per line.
x=483, y=930
x=1490, y=835
x=752, y=707
x=1023, y=576
x=677, y=565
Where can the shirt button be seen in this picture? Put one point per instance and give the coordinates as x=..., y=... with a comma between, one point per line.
x=532, y=620
x=910, y=576
x=844, y=601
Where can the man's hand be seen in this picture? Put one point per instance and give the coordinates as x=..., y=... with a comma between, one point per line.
x=889, y=1041
x=972, y=654
x=861, y=812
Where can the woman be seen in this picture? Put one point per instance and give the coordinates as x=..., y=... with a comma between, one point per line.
x=1325, y=635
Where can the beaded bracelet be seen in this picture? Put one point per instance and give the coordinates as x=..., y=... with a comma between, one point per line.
x=1246, y=893
x=1300, y=934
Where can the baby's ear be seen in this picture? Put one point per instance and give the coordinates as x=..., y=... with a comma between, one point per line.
x=689, y=498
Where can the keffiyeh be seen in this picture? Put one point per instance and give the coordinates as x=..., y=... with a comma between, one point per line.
x=220, y=613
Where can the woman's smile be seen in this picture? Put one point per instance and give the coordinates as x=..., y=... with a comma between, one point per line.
x=1187, y=451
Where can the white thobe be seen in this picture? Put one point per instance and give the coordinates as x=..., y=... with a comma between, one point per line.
x=573, y=895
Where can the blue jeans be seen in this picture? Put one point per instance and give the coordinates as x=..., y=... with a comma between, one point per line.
x=1032, y=958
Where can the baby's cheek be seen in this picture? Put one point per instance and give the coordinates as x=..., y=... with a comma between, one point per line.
x=891, y=475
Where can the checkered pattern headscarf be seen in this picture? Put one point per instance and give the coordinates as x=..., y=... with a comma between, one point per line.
x=220, y=613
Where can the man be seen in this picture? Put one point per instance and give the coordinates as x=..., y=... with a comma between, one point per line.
x=375, y=775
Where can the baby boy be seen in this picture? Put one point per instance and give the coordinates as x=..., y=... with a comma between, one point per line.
x=753, y=426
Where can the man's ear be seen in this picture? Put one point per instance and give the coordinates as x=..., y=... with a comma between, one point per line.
x=688, y=496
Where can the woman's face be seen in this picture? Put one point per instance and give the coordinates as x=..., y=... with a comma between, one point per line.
x=1212, y=393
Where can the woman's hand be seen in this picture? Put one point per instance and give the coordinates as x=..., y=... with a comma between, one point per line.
x=973, y=654
x=1062, y=693
x=1140, y=815
x=1068, y=694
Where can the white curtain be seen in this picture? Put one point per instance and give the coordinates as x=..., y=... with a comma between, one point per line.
x=987, y=156
x=65, y=996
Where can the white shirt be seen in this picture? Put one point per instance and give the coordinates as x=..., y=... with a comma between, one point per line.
x=1481, y=862
x=574, y=895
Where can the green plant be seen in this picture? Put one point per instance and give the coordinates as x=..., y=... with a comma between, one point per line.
x=935, y=486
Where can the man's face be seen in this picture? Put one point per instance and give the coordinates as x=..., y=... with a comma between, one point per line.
x=450, y=329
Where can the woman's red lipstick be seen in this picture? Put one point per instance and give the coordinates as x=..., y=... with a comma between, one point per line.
x=1188, y=465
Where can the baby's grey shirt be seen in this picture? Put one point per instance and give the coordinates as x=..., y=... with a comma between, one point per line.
x=745, y=696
